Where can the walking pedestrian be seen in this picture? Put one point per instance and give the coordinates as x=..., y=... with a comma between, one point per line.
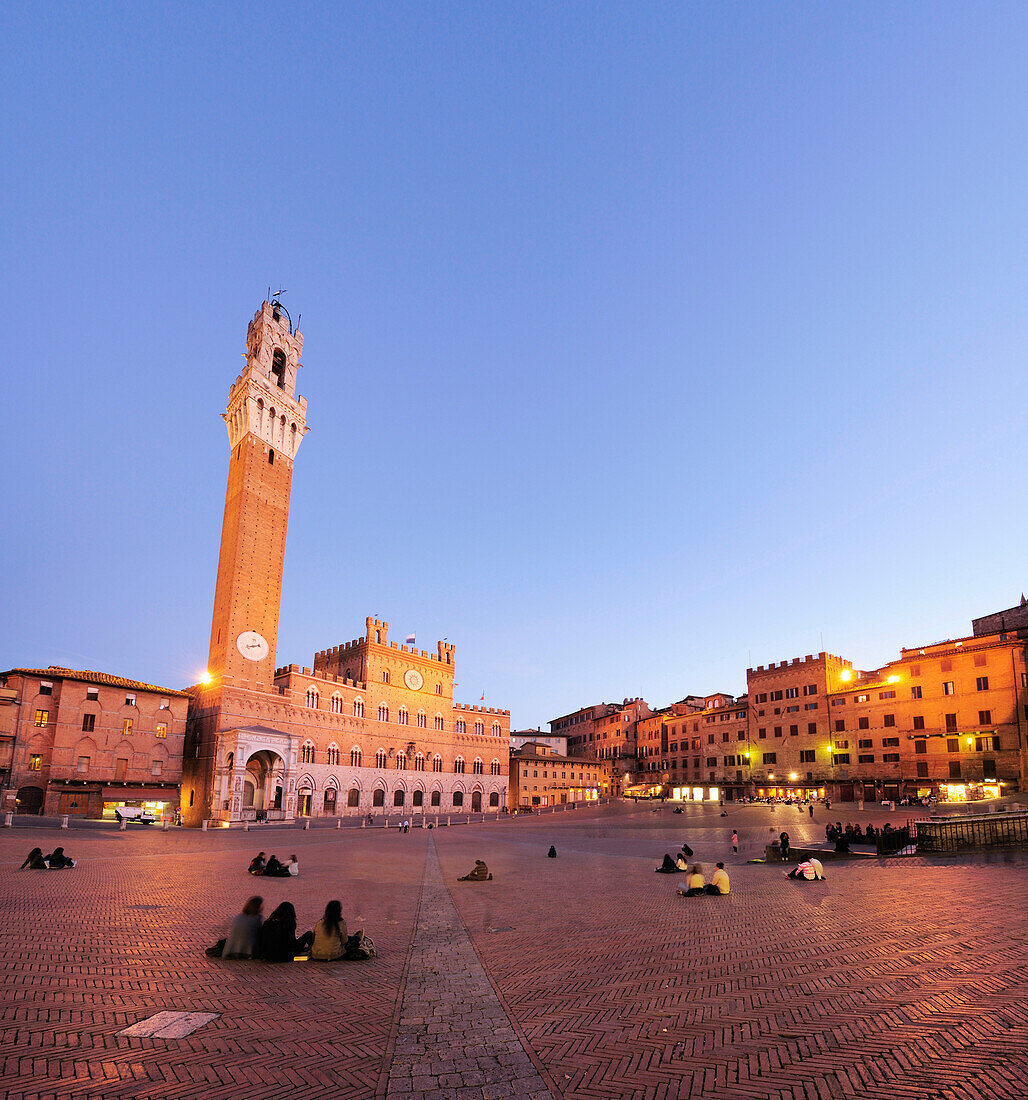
x=811, y=809
x=735, y=842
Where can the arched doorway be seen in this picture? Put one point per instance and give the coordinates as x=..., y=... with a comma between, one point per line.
x=494, y=798
x=419, y=798
x=476, y=802
x=29, y=800
x=262, y=784
x=354, y=797
x=330, y=800
x=378, y=797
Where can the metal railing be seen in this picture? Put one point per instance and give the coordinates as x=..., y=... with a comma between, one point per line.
x=961, y=834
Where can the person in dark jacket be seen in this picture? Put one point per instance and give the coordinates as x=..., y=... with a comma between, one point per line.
x=57, y=860
x=783, y=839
x=257, y=864
x=34, y=861
x=241, y=942
x=277, y=940
x=275, y=867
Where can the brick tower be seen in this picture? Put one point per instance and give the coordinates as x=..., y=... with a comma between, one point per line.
x=266, y=422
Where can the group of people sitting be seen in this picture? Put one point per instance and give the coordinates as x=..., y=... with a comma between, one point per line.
x=807, y=871
x=275, y=939
x=674, y=864
x=55, y=861
x=696, y=885
x=274, y=866
x=842, y=838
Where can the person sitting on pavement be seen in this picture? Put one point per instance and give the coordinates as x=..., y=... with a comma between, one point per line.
x=241, y=941
x=552, y=853
x=257, y=864
x=275, y=868
x=330, y=934
x=293, y=866
x=34, y=861
x=277, y=940
x=682, y=863
x=807, y=871
x=668, y=867
x=718, y=881
x=694, y=883
x=57, y=860
x=478, y=873
x=842, y=843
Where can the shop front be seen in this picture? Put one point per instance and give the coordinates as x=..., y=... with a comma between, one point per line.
x=157, y=802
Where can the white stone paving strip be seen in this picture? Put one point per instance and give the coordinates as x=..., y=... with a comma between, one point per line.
x=170, y=1025
x=454, y=1040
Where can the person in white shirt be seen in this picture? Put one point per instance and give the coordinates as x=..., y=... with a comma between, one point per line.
x=293, y=866
x=808, y=871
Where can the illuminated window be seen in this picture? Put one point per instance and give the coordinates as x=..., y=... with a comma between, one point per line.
x=35, y=762
x=161, y=729
x=42, y=717
x=126, y=725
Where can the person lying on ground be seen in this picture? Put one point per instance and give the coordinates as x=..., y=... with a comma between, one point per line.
x=330, y=934
x=807, y=871
x=58, y=860
x=34, y=861
x=668, y=867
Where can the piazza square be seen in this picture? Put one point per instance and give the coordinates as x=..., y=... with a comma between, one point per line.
x=581, y=976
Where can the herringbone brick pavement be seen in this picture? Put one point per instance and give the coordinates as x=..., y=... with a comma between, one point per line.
x=891, y=979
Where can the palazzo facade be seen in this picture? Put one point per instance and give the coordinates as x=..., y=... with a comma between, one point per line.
x=371, y=726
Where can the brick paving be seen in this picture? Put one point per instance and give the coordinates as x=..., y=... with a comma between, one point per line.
x=895, y=979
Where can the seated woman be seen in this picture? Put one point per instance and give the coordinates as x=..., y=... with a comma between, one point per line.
x=694, y=883
x=293, y=866
x=58, y=860
x=277, y=940
x=478, y=873
x=241, y=942
x=668, y=867
x=276, y=868
x=681, y=863
x=34, y=861
x=330, y=934
x=257, y=864
x=807, y=871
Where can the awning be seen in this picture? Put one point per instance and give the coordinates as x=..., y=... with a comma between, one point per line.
x=128, y=793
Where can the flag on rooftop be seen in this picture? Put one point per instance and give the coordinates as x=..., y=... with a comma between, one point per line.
x=410, y=639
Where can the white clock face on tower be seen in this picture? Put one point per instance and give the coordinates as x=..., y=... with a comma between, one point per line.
x=252, y=645
x=413, y=679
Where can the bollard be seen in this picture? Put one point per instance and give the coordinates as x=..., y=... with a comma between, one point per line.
x=306, y=824
x=122, y=824
x=165, y=824
x=447, y=819
x=364, y=822
x=339, y=822
x=9, y=821
x=203, y=825
x=64, y=822
x=246, y=826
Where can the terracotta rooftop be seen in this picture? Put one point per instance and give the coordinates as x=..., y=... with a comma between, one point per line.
x=56, y=672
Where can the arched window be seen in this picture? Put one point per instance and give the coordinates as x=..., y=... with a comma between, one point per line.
x=479, y=728
x=278, y=368
x=439, y=689
x=330, y=800
x=337, y=703
x=398, y=797
x=458, y=765
x=312, y=698
x=494, y=798
x=332, y=756
x=354, y=797
x=230, y=760
x=437, y=798
x=307, y=753
x=494, y=767
x=419, y=762
x=401, y=761
x=385, y=676
x=458, y=798
x=355, y=757
x=497, y=729
x=378, y=798
x=358, y=708
x=422, y=720
x=383, y=712
x=460, y=726
x=437, y=763
x=438, y=720
x=381, y=759
x=419, y=798
x=476, y=767
x=402, y=716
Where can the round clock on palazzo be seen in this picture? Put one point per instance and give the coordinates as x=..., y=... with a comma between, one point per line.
x=253, y=646
x=413, y=679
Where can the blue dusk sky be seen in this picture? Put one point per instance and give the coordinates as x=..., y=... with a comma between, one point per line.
x=644, y=342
